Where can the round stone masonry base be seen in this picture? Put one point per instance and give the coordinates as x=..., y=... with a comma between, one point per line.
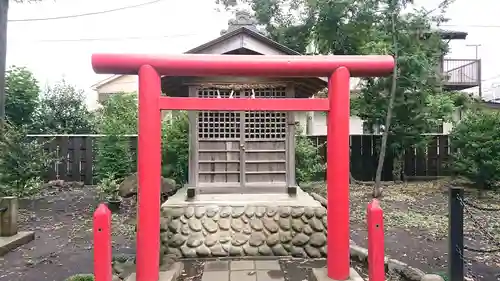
x=220, y=231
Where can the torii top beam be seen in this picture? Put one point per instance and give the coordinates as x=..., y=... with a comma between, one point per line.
x=243, y=65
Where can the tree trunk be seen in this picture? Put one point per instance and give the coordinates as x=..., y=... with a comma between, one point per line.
x=4, y=8
x=397, y=166
x=377, y=187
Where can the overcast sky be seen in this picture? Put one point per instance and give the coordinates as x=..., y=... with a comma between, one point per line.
x=53, y=49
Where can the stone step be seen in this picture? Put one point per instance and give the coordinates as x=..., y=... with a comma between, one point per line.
x=243, y=270
x=11, y=242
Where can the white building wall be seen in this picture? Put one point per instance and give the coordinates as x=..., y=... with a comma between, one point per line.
x=314, y=123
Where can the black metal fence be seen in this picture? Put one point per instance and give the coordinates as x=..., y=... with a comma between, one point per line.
x=426, y=162
x=459, y=208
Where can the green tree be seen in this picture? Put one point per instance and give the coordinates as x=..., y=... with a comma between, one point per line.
x=408, y=104
x=476, y=145
x=22, y=92
x=118, y=114
x=62, y=110
x=411, y=102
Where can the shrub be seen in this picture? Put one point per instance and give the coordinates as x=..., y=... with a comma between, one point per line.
x=117, y=118
x=114, y=156
x=22, y=164
x=308, y=163
x=108, y=188
x=175, y=147
x=476, y=144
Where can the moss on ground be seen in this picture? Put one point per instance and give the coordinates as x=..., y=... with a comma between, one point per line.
x=81, y=277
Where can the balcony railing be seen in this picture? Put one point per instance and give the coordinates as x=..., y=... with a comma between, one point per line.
x=461, y=74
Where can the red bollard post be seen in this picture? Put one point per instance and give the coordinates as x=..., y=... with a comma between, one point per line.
x=102, y=244
x=376, y=264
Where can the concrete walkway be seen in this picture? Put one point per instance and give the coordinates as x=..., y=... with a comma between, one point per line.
x=243, y=270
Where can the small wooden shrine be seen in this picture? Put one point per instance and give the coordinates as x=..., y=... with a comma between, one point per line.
x=242, y=152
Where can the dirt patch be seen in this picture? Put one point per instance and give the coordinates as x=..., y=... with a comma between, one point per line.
x=362, y=270
x=416, y=226
x=300, y=269
x=62, y=222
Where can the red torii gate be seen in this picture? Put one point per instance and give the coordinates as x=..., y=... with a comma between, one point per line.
x=339, y=69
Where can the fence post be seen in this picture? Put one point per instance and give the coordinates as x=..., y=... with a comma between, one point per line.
x=102, y=244
x=456, y=234
x=376, y=256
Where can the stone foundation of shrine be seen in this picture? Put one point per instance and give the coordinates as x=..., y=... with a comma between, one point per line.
x=220, y=225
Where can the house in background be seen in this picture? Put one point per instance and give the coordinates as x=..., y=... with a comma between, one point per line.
x=114, y=85
x=119, y=84
x=243, y=37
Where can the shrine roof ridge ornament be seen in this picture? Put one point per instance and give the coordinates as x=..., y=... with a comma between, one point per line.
x=243, y=65
x=242, y=18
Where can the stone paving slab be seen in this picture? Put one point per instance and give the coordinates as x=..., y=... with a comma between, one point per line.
x=242, y=265
x=243, y=270
x=269, y=265
x=215, y=276
x=242, y=275
x=169, y=275
x=217, y=266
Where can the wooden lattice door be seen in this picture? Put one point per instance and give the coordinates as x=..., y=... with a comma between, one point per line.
x=219, y=143
x=264, y=142
x=241, y=149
